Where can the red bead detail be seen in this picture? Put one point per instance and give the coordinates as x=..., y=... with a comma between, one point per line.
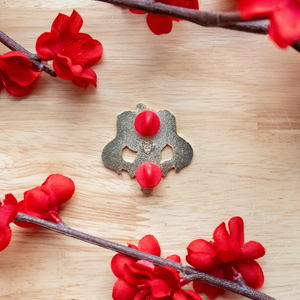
x=147, y=123
x=148, y=175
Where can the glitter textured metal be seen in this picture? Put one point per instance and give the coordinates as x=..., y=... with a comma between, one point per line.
x=148, y=148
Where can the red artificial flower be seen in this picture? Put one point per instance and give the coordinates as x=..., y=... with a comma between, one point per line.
x=141, y=280
x=284, y=15
x=73, y=53
x=8, y=211
x=17, y=73
x=159, y=24
x=227, y=256
x=44, y=201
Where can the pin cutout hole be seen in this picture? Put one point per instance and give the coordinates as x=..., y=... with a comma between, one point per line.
x=128, y=154
x=166, y=153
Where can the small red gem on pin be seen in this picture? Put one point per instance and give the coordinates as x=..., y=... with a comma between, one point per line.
x=147, y=123
x=148, y=175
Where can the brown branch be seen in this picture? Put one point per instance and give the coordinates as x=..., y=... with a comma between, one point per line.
x=258, y=27
x=189, y=272
x=12, y=45
x=203, y=18
x=228, y=20
x=34, y=58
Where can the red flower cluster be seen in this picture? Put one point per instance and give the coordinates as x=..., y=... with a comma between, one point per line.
x=8, y=211
x=141, y=280
x=17, y=73
x=227, y=256
x=44, y=201
x=73, y=53
x=163, y=24
x=284, y=17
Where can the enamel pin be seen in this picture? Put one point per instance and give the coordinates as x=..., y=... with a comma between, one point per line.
x=147, y=132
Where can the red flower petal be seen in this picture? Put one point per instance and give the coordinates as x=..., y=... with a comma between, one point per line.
x=132, y=246
x=60, y=66
x=53, y=216
x=5, y=237
x=135, y=273
x=16, y=90
x=252, y=250
x=136, y=11
x=199, y=286
x=169, y=275
x=118, y=262
x=68, y=29
x=123, y=291
x=202, y=246
x=201, y=261
x=37, y=202
x=21, y=74
x=74, y=68
x=149, y=244
x=159, y=288
x=145, y=265
x=252, y=273
x=8, y=211
x=60, y=187
x=193, y=4
x=179, y=296
x=284, y=27
x=236, y=228
x=174, y=257
x=159, y=24
x=45, y=45
x=87, y=76
x=222, y=238
x=59, y=22
x=191, y=295
x=258, y=8
x=142, y=295
x=211, y=291
x=16, y=57
x=133, y=278
x=228, y=250
x=84, y=50
x=201, y=255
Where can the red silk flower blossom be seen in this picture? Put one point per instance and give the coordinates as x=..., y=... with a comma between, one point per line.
x=284, y=15
x=227, y=256
x=141, y=280
x=17, y=73
x=73, y=53
x=8, y=211
x=44, y=201
x=159, y=24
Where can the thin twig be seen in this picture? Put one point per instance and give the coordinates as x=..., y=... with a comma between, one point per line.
x=227, y=20
x=258, y=27
x=12, y=45
x=34, y=58
x=203, y=18
x=189, y=272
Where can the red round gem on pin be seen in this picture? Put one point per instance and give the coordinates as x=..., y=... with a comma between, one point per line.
x=147, y=123
x=148, y=175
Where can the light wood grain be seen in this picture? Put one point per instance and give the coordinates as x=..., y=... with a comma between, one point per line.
x=236, y=100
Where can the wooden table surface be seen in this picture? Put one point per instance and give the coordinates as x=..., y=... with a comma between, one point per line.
x=236, y=98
